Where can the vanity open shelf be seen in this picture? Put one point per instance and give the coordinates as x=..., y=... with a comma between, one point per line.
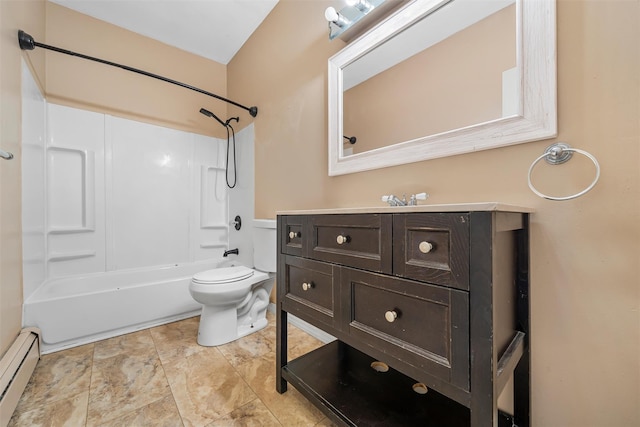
x=341, y=379
x=438, y=294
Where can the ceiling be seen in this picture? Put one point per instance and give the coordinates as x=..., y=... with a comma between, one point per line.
x=214, y=29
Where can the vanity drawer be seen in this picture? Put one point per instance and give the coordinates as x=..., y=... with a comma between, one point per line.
x=292, y=235
x=432, y=248
x=311, y=290
x=361, y=241
x=423, y=325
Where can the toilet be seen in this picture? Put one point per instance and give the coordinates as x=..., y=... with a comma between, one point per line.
x=235, y=298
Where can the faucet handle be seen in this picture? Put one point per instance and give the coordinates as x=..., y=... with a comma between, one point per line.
x=415, y=197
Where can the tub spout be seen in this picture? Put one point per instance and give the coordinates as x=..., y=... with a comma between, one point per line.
x=231, y=251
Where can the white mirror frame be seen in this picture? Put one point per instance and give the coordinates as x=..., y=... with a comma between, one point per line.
x=536, y=63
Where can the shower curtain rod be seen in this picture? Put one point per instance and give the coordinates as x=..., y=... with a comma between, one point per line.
x=28, y=43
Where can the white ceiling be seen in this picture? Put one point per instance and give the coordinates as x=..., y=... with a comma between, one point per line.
x=214, y=29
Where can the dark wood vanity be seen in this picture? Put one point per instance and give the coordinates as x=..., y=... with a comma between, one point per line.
x=438, y=294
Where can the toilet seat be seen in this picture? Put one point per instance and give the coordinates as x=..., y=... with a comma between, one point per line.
x=223, y=275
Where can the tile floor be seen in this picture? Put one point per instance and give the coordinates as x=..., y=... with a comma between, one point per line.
x=162, y=377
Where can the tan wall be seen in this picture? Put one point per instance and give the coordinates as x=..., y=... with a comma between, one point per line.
x=14, y=15
x=452, y=84
x=93, y=86
x=585, y=252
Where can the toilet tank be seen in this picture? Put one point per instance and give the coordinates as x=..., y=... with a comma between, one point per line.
x=264, y=244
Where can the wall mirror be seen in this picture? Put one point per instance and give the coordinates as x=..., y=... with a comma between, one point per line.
x=441, y=78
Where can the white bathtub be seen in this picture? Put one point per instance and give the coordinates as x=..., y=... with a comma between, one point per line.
x=78, y=310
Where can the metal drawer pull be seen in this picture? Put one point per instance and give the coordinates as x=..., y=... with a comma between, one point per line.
x=343, y=239
x=294, y=234
x=425, y=247
x=307, y=286
x=391, y=316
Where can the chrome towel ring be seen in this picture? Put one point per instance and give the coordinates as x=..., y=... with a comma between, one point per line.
x=557, y=154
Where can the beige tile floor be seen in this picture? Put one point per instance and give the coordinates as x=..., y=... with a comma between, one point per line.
x=162, y=377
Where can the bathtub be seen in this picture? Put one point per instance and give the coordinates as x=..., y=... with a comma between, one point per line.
x=78, y=310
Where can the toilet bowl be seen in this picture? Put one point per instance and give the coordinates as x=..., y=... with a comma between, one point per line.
x=235, y=298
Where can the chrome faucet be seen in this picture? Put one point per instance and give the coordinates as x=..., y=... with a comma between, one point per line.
x=413, y=200
x=394, y=201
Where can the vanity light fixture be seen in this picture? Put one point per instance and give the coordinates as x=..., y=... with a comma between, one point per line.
x=362, y=5
x=334, y=17
x=361, y=12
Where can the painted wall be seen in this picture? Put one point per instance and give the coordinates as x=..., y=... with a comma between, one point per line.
x=89, y=85
x=14, y=15
x=585, y=253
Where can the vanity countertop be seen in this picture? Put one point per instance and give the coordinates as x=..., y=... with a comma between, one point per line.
x=456, y=207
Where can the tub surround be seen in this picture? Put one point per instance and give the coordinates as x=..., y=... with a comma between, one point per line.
x=439, y=293
x=118, y=217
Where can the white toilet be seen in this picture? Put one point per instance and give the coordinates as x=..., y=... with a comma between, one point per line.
x=235, y=299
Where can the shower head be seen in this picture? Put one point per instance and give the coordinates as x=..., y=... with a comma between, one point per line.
x=206, y=112
x=210, y=114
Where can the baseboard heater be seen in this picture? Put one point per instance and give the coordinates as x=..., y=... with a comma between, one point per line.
x=16, y=367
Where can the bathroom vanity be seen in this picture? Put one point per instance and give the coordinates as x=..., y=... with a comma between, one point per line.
x=429, y=305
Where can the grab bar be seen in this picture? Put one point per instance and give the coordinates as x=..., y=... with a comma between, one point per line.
x=6, y=155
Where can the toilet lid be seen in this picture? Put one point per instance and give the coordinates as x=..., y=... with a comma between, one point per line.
x=223, y=275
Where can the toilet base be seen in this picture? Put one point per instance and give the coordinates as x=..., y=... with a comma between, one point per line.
x=219, y=327
x=244, y=330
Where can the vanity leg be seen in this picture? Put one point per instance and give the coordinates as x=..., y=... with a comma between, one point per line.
x=522, y=374
x=521, y=387
x=281, y=349
x=484, y=409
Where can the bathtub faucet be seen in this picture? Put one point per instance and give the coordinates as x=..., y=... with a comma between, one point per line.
x=231, y=251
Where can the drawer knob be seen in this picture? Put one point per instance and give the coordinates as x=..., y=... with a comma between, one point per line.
x=343, y=239
x=391, y=316
x=425, y=247
x=294, y=234
x=420, y=388
x=307, y=286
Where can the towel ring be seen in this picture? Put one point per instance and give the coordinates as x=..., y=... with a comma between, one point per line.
x=557, y=154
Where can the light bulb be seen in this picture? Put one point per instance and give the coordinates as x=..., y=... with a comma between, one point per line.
x=331, y=14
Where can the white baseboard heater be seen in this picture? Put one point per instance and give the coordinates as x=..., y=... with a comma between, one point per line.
x=16, y=367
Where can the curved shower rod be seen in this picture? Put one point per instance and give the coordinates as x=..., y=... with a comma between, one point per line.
x=28, y=43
